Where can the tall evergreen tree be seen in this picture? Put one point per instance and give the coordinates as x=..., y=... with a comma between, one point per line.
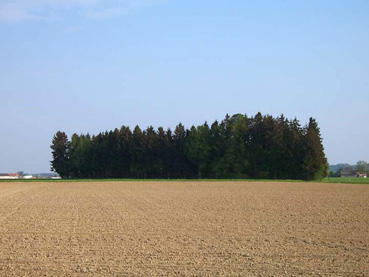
x=60, y=162
x=124, y=159
x=256, y=147
x=179, y=163
x=75, y=157
x=153, y=163
x=138, y=169
x=315, y=163
x=217, y=149
x=197, y=148
x=296, y=152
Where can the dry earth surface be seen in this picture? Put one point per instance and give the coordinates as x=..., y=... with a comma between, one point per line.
x=183, y=228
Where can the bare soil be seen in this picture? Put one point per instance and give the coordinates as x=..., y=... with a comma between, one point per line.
x=183, y=228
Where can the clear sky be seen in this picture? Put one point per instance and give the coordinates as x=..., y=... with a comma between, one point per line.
x=90, y=65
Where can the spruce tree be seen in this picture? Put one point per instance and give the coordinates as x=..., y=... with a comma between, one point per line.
x=315, y=164
x=60, y=162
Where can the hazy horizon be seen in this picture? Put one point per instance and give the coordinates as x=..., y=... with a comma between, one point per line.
x=87, y=66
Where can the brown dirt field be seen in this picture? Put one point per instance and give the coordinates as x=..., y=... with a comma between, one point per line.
x=183, y=228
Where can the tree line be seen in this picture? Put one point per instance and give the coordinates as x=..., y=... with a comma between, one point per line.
x=237, y=147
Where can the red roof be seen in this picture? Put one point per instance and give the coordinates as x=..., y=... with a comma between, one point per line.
x=9, y=174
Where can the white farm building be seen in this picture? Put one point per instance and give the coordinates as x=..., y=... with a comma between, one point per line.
x=9, y=176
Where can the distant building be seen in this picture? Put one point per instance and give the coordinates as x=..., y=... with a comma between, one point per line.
x=362, y=175
x=348, y=172
x=9, y=176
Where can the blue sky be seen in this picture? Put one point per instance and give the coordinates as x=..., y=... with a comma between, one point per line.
x=89, y=65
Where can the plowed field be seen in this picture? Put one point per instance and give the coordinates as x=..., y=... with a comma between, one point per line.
x=183, y=228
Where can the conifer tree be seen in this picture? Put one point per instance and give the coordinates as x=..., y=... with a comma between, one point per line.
x=124, y=159
x=315, y=163
x=137, y=148
x=60, y=162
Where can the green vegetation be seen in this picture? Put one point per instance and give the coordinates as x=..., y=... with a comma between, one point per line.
x=239, y=147
x=325, y=180
x=148, y=180
x=334, y=174
x=346, y=180
x=362, y=167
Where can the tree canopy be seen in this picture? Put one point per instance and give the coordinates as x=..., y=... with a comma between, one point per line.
x=237, y=147
x=362, y=167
